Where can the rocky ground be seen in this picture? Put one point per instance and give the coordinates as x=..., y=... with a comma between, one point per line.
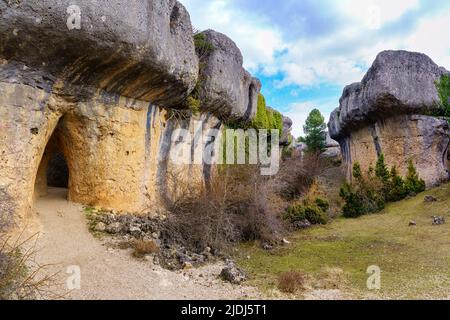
x=66, y=243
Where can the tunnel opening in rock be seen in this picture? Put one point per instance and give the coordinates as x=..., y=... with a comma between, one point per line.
x=57, y=171
x=53, y=170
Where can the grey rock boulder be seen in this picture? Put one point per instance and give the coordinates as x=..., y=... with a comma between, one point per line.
x=287, y=131
x=429, y=199
x=231, y=273
x=114, y=228
x=226, y=88
x=437, y=221
x=330, y=143
x=398, y=82
x=140, y=49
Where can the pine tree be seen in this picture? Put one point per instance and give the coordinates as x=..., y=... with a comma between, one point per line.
x=381, y=169
x=398, y=189
x=413, y=183
x=314, y=129
x=384, y=176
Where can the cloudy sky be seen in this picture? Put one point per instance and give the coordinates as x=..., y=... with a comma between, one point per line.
x=306, y=51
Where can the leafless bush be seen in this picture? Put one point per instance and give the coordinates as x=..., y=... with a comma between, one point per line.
x=298, y=174
x=237, y=205
x=291, y=282
x=144, y=247
x=21, y=277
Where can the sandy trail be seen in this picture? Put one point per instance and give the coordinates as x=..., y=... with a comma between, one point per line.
x=66, y=242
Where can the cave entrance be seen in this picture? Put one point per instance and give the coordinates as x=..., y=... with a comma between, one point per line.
x=53, y=172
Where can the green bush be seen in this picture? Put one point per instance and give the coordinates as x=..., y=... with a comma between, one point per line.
x=369, y=194
x=354, y=202
x=398, y=189
x=315, y=213
x=322, y=204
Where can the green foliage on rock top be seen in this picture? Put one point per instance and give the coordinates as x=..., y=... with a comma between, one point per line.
x=443, y=87
x=266, y=118
x=261, y=120
x=275, y=120
x=202, y=46
x=315, y=131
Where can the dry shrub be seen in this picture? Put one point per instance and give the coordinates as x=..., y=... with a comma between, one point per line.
x=21, y=277
x=291, y=282
x=298, y=174
x=238, y=204
x=144, y=247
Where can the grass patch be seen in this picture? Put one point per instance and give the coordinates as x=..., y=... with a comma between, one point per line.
x=414, y=261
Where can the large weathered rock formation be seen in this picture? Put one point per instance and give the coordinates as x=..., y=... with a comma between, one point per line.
x=105, y=97
x=385, y=113
x=226, y=88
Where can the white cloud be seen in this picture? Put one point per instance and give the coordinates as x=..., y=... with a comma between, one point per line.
x=373, y=14
x=338, y=58
x=431, y=37
x=257, y=39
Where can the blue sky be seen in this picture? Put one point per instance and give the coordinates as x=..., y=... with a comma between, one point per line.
x=306, y=51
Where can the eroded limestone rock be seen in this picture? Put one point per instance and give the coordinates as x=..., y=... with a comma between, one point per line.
x=226, y=88
x=398, y=82
x=139, y=49
x=102, y=96
x=286, y=136
x=385, y=114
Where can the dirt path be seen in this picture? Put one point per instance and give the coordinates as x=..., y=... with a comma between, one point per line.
x=65, y=242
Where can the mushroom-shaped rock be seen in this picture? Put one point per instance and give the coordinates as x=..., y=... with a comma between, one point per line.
x=226, y=88
x=399, y=82
x=140, y=49
x=286, y=135
x=386, y=114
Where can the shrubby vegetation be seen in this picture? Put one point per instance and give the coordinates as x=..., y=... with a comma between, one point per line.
x=315, y=212
x=266, y=118
x=21, y=278
x=370, y=193
x=203, y=48
x=237, y=205
x=443, y=87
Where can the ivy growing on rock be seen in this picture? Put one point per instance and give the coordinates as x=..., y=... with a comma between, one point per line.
x=443, y=87
x=266, y=118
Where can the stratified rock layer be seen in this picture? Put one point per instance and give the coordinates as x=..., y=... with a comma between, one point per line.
x=383, y=114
